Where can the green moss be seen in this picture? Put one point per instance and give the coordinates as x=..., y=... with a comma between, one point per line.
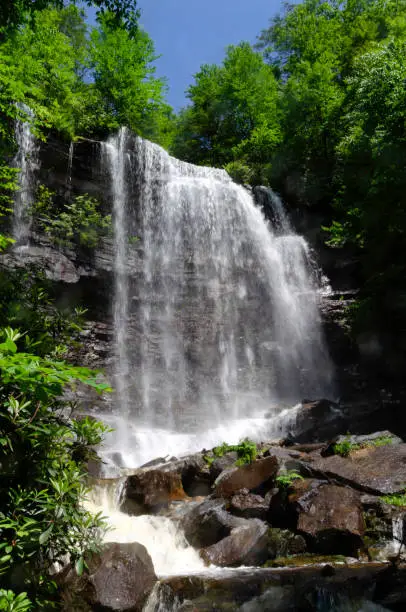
x=399, y=499
x=305, y=559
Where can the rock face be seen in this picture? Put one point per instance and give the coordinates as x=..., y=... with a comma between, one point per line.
x=377, y=470
x=120, y=580
x=151, y=488
x=246, y=545
x=332, y=517
x=250, y=477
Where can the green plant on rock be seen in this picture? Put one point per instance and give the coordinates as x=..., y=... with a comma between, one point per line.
x=285, y=479
x=345, y=447
x=79, y=223
x=246, y=452
x=399, y=499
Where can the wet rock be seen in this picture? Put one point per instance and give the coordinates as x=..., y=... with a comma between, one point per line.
x=248, y=505
x=252, y=476
x=220, y=464
x=332, y=517
x=377, y=470
x=318, y=421
x=153, y=488
x=194, y=472
x=275, y=590
x=208, y=523
x=246, y=545
x=283, y=511
x=120, y=579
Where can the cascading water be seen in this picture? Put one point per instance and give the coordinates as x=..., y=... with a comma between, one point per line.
x=115, y=160
x=216, y=311
x=27, y=161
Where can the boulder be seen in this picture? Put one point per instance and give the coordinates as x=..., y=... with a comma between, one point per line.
x=208, y=523
x=378, y=470
x=120, y=579
x=317, y=421
x=248, y=506
x=252, y=476
x=331, y=517
x=153, y=488
x=220, y=464
x=246, y=545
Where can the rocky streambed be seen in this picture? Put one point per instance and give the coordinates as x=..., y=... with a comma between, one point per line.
x=301, y=526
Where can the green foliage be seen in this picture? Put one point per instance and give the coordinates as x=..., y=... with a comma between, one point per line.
x=15, y=12
x=233, y=114
x=246, y=451
x=79, y=223
x=125, y=89
x=395, y=500
x=41, y=515
x=345, y=447
x=9, y=602
x=285, y=479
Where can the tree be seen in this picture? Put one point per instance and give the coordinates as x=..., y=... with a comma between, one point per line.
x=126, y=92
x=233, y=113
x=14, y=12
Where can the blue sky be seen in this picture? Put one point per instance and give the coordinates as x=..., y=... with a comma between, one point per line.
x=188, y=33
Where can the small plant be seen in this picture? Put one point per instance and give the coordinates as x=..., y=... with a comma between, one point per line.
x=246, y=452
x=345, y=447
x=285, y=479
x=399, y=499
x=79, y=223
x=10, y=602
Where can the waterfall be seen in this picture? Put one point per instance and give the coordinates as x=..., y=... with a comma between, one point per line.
x=69, y=170
x=115, y=160
x=27, y=161
x=218, y=327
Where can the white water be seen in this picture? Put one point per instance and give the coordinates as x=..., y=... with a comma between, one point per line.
x=115, y=158
x=165, y=542
x=27, y=160
x=215, y=312
x=397, y=533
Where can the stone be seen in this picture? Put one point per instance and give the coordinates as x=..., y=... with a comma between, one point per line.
x=318, y=421
x=377, y=470
x=246, y=545
x=332, y=517
x=208, y=523
x=151, y=488
x=120, y=579
x=250, y=476
x=220, y=464
x=248, y=506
